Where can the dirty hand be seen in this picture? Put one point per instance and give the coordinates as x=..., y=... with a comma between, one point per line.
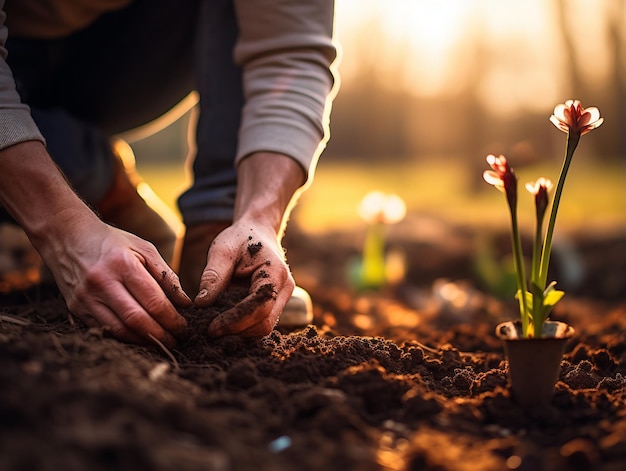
x=107, y=276
x=249, y=251
x=112, y=278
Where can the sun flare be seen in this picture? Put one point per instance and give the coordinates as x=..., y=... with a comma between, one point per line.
x=511, y=53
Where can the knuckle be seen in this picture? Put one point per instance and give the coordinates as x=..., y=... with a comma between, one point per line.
x=93, y=279
x=155, y=304
x=118, y=332
x=211, y=277
x=133, y=318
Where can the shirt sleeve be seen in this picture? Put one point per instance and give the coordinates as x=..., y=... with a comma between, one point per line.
x=286, y=50
x=16, y=122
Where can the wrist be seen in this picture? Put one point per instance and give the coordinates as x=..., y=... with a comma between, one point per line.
x=36, y=194
x=268, y=184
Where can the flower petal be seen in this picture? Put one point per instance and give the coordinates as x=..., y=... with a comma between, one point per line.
x=532, y=187
x=591, y=127
x=559, y=123
x=572, y=117
x=558, y=111
x=594, y=112
x=493, y=178
x=596, y=124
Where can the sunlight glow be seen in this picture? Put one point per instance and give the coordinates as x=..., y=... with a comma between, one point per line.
x=426, y=33
x=512, y=53
x=417, y=38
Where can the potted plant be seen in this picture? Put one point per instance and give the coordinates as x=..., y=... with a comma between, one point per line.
x=534, y=345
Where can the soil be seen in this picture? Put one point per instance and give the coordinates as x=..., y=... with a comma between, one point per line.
x=406, y=377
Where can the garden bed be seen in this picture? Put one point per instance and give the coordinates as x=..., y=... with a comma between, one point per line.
x=407, y=377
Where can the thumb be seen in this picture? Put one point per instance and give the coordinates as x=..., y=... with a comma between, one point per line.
x=214, y=279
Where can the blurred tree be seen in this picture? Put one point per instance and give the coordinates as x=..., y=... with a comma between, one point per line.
x=385, y=111
x=376, y=115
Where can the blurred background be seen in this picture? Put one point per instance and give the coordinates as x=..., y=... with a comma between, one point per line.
x=430, y=87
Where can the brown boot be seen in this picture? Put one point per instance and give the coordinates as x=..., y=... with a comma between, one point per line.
x=196, y=243
x=131, y=205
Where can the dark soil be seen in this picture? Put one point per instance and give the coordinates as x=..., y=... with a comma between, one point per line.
x=409, y=377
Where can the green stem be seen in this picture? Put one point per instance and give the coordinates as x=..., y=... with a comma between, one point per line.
x=537, y=249
x=534, y=276
x=519, y=270
x=572, y=142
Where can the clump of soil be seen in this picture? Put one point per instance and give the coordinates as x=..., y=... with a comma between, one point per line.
x=410, y=377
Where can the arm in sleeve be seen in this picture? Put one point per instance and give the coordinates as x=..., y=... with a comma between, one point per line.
x=16, y=123
x=287, y=52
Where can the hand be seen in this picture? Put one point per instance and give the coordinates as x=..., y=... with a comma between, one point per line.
x=107, y=276
x=267, y=184
x=244, y=250
x=112, y=278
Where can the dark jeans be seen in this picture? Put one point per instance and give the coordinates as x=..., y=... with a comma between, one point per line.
x=127, y=69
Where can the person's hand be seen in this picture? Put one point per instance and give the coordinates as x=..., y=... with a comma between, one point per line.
x=107, y=276
x=114, y=279
x=246, y=251
x=266, y=185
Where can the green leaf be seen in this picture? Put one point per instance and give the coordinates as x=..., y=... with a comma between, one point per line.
x=551, y=297
x=529, y=302
x=536, y=290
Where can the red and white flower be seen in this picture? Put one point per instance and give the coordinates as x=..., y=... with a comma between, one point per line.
x=571, y=117
x=502, y=177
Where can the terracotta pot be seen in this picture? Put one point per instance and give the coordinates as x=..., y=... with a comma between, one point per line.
x=534, y=363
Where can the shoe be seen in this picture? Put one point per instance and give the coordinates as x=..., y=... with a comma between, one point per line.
x=298, y=311
x=132, y=205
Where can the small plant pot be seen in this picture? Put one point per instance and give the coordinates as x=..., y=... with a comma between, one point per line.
x=534, y=363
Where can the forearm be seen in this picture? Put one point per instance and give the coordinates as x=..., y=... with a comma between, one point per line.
x=286, y=52
x=268, y=184
x=36, y=194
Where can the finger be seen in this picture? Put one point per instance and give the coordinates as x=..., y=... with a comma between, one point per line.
x=264, y=328
x=149, y=299
x=215, y=277
x=261, y=329
x=135, y=318
x=256, y=315
x=267, y=324
x=168, y=281
x=253, y=309
x=102, y=316
x=269, y=321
